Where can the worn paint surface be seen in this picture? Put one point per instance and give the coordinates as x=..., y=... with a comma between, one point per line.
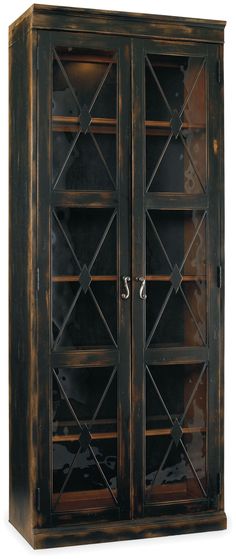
x=30, y=452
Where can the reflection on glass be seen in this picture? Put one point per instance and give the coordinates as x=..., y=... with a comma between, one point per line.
x=78, y=173
x=176, y=424
x=85, y=475
x=76, y=235
x=84, y=436
x=183, y=320
x=176, y=278
x=84, y=120
x=86, y=326
x=176, y=480
x=85, y=70
x=84, y=280
x=84, y=389
x=175, y=124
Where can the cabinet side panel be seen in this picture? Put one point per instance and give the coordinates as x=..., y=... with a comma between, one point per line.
x=21, y=304
x=222, y=262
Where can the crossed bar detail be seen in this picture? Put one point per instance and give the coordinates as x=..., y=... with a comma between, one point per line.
x=175, y=123
x=85, y=119
x=85, y=280
x=176, y=432
x=176, y=279
x=85, y=437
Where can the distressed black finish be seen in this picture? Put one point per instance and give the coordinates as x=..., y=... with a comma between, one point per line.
x=131, y=512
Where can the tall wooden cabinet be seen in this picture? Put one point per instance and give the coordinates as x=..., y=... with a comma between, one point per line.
x=116, y=276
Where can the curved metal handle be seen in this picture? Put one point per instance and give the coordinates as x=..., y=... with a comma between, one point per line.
x=142, y=287
x=126, y=294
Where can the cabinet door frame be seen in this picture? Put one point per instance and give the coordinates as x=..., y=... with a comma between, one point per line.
x=212, y=203
x=119, y=200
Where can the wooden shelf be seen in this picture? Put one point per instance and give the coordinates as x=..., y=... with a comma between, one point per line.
x=62, y=279
x=167, y=431
x=75, y=278
x=108, y=125
x=72, y=124
x=166, y=491
x=73, y=437
x=166, y=124
x=84, y=500
x=184, y=278
x=76, y=120
x=113, y=435
x=181, y=490
x=162, y=127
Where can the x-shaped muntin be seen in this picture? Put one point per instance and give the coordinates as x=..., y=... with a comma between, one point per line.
x=85, y=436
x=173, y=270
x=86, y=118
x=179, y=424
x=175, y=130
x=62, y=328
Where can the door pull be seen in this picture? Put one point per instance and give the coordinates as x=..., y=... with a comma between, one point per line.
x=126, y=294
x=142, y=295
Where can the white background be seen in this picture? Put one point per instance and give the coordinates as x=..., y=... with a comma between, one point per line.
x=215, y=544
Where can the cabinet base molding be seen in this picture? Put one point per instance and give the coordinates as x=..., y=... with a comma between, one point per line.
x=102, y=532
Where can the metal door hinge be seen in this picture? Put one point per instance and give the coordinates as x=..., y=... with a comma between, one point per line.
x=218, y=482
x=38, y=499
x=219, y=276
x=219, y=70
x=38, y=279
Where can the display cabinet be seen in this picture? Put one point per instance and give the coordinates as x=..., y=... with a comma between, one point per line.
x=116, y=276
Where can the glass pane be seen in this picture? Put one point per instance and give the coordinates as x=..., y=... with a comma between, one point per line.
x=84, y=437
x=85, y=70
x=83, y=229
x=176, y=432
x=84, y=291
x=78, y=173
x=175, y=124
x=84, y=119
x=87, y=326
x=176, y=278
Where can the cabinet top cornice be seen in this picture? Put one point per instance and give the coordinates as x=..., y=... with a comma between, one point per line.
x=41, y=16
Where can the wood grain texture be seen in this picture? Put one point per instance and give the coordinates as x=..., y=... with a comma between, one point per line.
x=124, y=23
x=125, y=530
x=30, y=309
x=22, y=300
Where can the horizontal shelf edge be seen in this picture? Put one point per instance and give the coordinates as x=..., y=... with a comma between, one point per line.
x=74, y=437
x=74, y=278
x=76, y=120
x=167, y=124
x=113, y=435
x=98, y=125
x=61, y=127
x=167, y=431
x=155, y=505
x=94, y=499
x=185, y=277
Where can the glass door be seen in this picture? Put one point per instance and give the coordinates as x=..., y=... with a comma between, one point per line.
x=89, y=335
x=176, y=279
